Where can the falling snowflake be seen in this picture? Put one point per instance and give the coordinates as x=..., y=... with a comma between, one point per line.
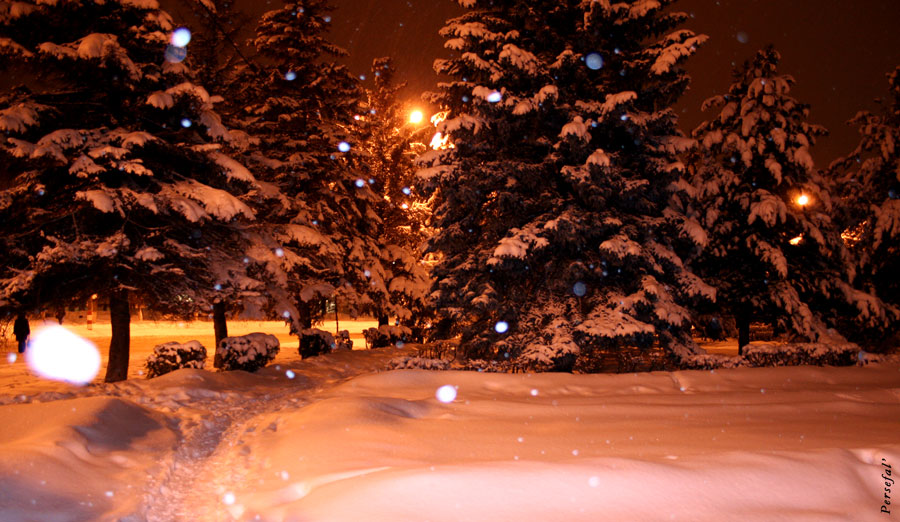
x=594, y=61
x=58, y=354
x=501, y=326
x=181, y=37
x=446, y=393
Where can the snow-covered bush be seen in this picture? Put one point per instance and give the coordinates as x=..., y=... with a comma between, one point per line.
x=315, y=342
x=480, y=365
x=622, y=359
x=759, y=355
x=386, y=335
x=247, y=352
x=814, y=354
x=168, y=357
x=343, y=341
x=417, y=363
x=710, y=361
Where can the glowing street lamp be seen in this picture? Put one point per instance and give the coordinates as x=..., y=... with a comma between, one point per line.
x=803, y=200
x=416, y=117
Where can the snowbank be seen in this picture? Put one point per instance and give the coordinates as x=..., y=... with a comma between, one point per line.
x=748, y=444
x=79, y=459
x=330, y=439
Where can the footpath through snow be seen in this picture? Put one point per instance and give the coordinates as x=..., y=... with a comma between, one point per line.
x=333, y=439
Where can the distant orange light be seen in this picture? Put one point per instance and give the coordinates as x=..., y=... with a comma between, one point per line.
x=796, y=240
x=803, y=200
x=416, y=117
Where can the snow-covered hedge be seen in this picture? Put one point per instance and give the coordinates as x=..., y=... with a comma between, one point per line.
x=247, y=352
x=168, y=357
x=417, y=363
x=813, y=354
x=758, y=355
x=316, y=342
x=387, y=335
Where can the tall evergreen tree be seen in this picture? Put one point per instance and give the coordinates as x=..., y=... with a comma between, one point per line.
x=317, y=233
x=116, y=185
x=555, y=221
x=392, y=142
x=773, y=253
x=868, y=183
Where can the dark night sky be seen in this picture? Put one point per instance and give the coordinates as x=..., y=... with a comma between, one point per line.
x=839, y=51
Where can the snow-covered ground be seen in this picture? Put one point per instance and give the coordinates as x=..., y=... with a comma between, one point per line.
x=333, y=438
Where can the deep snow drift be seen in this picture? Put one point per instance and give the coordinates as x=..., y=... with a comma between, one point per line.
x=336, y=439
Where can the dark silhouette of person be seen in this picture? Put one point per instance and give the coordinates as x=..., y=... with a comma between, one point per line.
x=21, y=331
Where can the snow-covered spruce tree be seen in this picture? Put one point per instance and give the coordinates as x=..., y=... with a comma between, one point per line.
x=559, y=242
x=773, y=254
x=113, y=185
x=215, y=50
x=868, y=207
x=392, y=142
x=317, y=237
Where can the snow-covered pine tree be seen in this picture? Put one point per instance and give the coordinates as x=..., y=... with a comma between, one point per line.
x=114, y=185
x=558, y=237
x=317, y=237
x=868, y=207
x=392, y=142
x=216, y=52
x=773, y=253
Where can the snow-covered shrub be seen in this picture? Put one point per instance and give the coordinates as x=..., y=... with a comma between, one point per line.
x=814, y=354
x=439, y=350
x=622, y=359
x=386, y=335
x=417, y=363
x=710, y=361
x=480, y=365
x=247, y=352
x=759, y=355
x=168, y=357
x=343, y=341
x=315, y=342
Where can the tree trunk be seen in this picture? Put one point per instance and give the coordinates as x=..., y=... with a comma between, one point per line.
x=219, y=323
x=382, y=319
x=743, y=326
x=120, y=320
x=305, y=310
